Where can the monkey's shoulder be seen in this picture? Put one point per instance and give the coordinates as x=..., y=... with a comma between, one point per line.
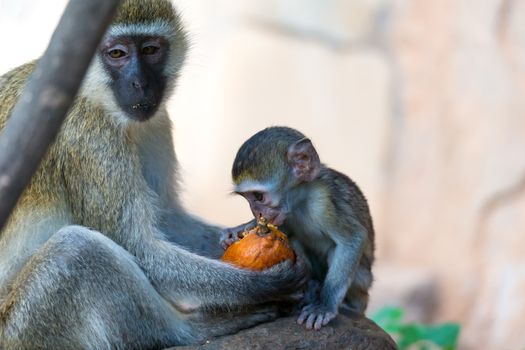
x=341, y=186
x=18, y=76
x=11, y=85
x=345, y=197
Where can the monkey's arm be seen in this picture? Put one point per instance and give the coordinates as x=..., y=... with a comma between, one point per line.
x=343, y=264
x=193, y=233
x=133, y=220
x=193, y=282
x=160, y=171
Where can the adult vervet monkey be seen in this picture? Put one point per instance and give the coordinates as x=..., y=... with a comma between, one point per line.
x=87, y=259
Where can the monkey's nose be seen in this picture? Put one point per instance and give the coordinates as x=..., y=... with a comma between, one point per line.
x=139, y=85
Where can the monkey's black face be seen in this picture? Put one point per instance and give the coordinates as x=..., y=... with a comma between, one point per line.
x=136, y=67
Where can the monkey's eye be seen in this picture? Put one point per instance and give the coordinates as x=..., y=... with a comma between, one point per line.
x=116, y=53
x=150, y=50
x=259, y=196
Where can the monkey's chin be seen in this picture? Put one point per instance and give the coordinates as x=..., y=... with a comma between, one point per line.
x=278, y=220
x=142, y=112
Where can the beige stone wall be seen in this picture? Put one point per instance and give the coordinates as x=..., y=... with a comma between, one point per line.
x=421, y=102
x=457, y=184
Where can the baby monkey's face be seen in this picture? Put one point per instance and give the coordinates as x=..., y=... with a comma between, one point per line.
x=264, y=203
x=270, y=166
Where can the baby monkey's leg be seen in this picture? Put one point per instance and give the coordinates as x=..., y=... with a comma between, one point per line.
x=343, y=265
x=357, y=297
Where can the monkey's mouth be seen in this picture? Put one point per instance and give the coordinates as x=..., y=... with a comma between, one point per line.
x=278, y=220
x=274, y=217
x=143, y=111
x=144, y=106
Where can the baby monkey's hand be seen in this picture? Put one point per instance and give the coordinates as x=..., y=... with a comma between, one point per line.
x=233, y=234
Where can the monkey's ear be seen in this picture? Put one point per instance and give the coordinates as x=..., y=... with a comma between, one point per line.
x=304, y=160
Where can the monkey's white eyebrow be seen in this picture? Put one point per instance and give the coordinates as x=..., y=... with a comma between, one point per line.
x=251, y=186
x=156, y=28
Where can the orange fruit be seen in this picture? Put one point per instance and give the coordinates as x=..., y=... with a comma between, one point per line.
x=259, y=248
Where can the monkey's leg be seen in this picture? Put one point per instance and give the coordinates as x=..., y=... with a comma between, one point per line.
x=83, y=291
x=344, y=263
x=219, y=323
x=357, y=297
x=312, y=293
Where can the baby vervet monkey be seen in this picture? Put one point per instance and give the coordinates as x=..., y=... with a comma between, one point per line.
x=323, y=212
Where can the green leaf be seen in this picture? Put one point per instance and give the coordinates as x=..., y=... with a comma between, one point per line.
x=389, y=318
x=415, y=335
x=444, y=335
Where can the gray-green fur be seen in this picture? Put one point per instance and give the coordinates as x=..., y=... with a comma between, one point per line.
x=141, y=11
x=91, y=257
x=327, y=220
x=262, y=156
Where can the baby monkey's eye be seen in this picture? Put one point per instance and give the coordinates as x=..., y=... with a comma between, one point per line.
x=259, y=196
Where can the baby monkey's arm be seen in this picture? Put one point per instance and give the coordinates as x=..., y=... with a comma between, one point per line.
x=343, y=263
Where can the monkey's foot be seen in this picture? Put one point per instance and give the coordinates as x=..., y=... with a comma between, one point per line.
x=315, y=316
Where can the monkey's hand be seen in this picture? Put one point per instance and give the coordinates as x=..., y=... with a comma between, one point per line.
x=316, y=315
x=231, y=235
x=285, y=281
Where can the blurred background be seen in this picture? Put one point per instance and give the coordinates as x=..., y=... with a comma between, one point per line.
x=422, y=103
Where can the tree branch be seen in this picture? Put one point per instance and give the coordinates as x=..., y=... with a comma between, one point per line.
x=48, y=95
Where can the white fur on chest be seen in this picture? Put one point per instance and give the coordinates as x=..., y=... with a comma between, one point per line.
x=155, y=145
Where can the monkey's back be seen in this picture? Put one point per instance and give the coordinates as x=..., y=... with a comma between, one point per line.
x=41, y=210
x=347, y=198
x=49, y=184
x=11, y=87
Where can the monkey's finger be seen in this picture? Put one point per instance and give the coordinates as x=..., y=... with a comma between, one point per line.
x=302, y=317
x=319, y=322
x=310, y=321
x=247, y=227
x=225, y=243
x=327, y=318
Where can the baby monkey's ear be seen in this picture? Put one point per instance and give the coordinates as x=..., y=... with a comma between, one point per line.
x=304, y=160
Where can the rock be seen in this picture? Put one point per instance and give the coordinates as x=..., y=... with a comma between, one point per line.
x=345, y=332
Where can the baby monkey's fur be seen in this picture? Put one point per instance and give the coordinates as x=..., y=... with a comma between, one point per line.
x=323, y=212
